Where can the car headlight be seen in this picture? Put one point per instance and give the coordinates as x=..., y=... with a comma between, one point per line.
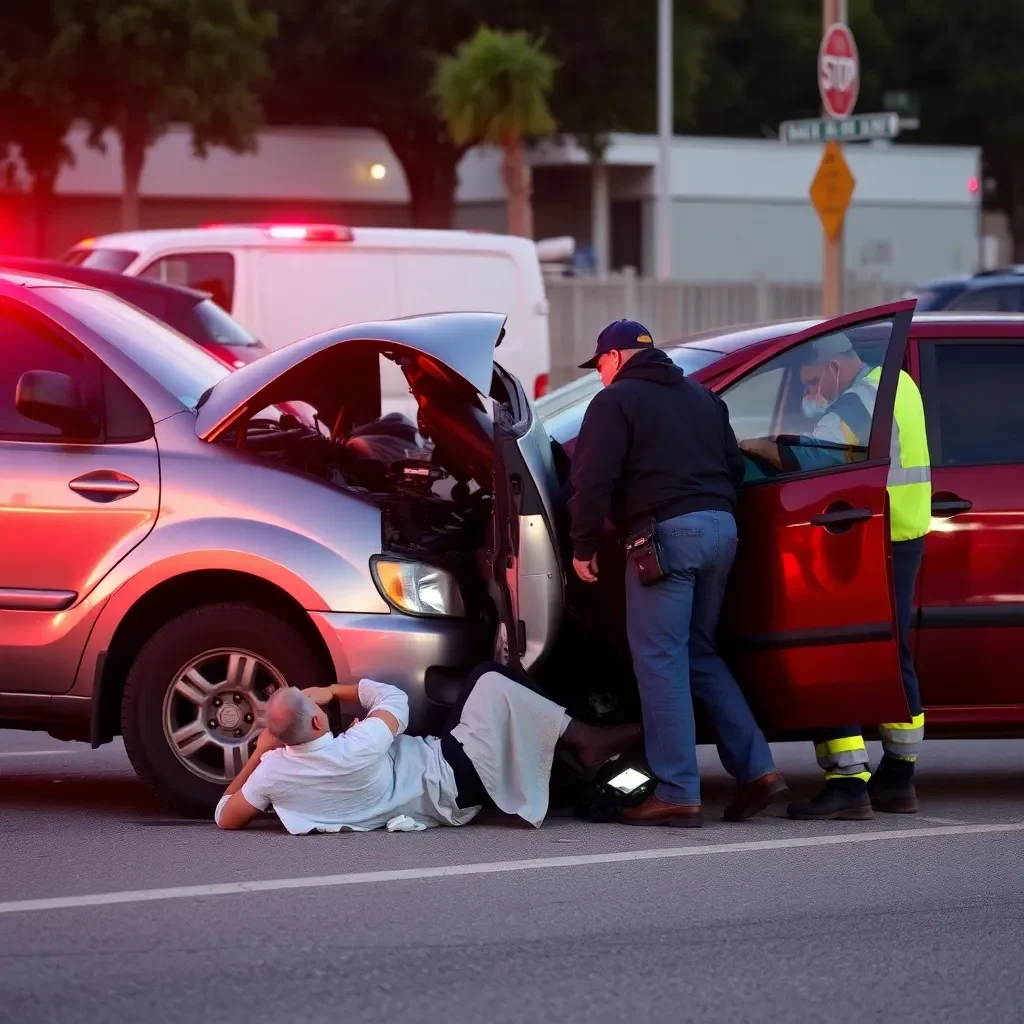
x=418, y=589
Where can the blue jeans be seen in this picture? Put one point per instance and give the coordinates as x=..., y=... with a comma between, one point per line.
x=672, y=630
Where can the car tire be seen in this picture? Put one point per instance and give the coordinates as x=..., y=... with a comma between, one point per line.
x=278, y=645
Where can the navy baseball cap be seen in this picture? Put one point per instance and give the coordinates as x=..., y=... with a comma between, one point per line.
x=619, y=336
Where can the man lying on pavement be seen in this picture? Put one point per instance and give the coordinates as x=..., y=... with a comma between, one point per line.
x=496, y=749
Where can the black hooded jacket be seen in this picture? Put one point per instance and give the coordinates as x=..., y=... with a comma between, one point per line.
x=653, y=443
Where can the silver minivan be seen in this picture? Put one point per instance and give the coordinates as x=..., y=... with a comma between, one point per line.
x=178, y=541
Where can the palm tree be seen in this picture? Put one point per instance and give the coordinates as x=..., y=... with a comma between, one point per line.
x=495, y=89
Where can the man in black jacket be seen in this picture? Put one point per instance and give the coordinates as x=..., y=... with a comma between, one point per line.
x=655, y=447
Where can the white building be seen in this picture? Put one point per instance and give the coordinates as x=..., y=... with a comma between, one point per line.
x=740, y=207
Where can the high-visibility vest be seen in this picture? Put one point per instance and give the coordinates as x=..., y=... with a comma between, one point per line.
x=910, y=476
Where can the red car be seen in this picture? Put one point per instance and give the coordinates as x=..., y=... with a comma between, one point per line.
x=810, y=627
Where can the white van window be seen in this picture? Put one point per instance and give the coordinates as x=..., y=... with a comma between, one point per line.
x=212, y=272
x=310, y=290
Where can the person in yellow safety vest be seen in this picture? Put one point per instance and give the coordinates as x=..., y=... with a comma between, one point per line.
x=839, y=393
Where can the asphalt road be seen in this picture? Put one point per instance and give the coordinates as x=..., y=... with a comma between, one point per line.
x=899, y=919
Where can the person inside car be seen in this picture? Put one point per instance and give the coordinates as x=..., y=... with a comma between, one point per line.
x=496, y=749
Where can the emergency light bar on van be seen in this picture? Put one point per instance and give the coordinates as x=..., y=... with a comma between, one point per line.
x=296, y=232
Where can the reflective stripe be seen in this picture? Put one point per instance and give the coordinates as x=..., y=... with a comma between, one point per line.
x=839, y=746
x=846, y=755
x=863, y=776
x=917, y=722
x=914, y=475
x=903, y=739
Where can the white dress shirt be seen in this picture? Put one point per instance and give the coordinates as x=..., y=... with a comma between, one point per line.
x=361, y=779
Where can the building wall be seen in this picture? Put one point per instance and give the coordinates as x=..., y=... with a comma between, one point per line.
x=732, y=240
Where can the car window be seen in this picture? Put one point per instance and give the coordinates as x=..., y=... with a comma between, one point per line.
x=26, y=345
x=996, y=299
x=814, y=402
x=174, y=362
x=114, y=260
x=212, y=272
x=218, y=326
x=562, y=411
x=972, y=394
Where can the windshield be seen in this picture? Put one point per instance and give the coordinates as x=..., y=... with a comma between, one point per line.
x=562, y=411
x=114, y=260
x=221, y=328
x=936, y=296
x=184, y=369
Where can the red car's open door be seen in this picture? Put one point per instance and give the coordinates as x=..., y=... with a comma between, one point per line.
x=809, y=622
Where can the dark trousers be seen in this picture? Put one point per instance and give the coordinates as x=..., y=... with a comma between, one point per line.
x=906, y=564
x=471, y=791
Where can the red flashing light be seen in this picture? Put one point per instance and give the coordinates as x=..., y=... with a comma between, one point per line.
x=540, y=385
x=297, y=232
x=973, y=185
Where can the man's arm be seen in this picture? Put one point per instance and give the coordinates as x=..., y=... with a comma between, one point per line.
x=234, y=811
x=733, y=455
x=379, y=700
x=597, y=463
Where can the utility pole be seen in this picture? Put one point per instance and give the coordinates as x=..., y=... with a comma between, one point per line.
x=663, y=205
x=832, y=254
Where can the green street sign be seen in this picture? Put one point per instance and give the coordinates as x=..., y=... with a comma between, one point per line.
x=859, y=128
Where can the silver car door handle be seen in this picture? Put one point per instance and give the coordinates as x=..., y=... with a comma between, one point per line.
x=104, y=485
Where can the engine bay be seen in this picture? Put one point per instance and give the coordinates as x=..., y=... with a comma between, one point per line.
x=389, y=463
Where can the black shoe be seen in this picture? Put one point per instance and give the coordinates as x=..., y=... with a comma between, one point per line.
x=838, y=801
x=891, y=788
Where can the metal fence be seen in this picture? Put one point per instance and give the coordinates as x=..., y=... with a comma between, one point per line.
x=581, y=306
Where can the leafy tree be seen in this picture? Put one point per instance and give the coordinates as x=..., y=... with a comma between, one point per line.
x=495, y=89
x=761, y=68
x=371, y=63
x=962, y=57
x=155, y=62
x=37, y=101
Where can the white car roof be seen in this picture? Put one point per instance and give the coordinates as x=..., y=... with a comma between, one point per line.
x=248, y=236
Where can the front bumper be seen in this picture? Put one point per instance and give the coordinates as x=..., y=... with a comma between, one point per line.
x=399, y=649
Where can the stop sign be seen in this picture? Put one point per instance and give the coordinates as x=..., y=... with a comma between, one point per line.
x=838, y=71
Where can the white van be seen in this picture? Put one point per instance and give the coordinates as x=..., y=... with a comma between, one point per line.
x=288, y=281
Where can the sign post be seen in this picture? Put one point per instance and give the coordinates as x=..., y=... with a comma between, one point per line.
x=838, y=83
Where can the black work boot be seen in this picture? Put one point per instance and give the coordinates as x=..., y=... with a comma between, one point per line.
x=891, y=788
x=840, y=800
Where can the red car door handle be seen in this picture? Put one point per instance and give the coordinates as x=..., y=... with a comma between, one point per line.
x=841, y=517
x=104, y=485
x=945, y=506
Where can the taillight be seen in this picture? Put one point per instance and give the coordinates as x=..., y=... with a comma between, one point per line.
x=540, y=385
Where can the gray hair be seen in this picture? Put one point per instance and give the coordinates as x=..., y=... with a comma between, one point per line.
x=832, y=346
x=290, y=715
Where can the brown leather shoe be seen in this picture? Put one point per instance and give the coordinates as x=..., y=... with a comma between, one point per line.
x=754, y=797
x=654, y=811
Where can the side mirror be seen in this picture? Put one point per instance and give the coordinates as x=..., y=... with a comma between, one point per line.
x=54, y=399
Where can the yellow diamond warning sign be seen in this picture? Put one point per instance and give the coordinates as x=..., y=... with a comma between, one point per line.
x=832, y=189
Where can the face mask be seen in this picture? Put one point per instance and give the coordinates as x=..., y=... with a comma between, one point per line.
x=815, y=405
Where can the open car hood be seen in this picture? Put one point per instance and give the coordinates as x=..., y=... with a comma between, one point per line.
x=461, y=344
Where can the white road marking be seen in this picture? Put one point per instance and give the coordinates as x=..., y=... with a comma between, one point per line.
x=44, y=753
x=104, y=899
x=939, y=821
